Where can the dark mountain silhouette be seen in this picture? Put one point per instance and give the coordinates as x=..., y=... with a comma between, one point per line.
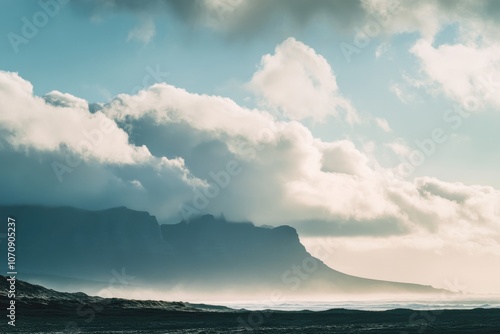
x=55, y=244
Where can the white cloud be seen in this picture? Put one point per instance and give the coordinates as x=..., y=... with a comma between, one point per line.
x=383, y=124
x=381, y=50
x=59, y=99
x=469, y=74
x=343, y=157
x=300, y=83
x=401, y=93
x=467, y=69
x=168, y=104
x=31, y=122
x=83, y=158
x=144, y=32
x=399, y=147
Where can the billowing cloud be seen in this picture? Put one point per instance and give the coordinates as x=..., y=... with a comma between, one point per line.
x=61, y=120
x=300, y=83
x=83, y=157
x=468, y=74
x=170, y=151
x=466, y=70
x=59, y=99
x=320, y=187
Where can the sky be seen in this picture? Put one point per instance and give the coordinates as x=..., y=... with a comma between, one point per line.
x=371, y=126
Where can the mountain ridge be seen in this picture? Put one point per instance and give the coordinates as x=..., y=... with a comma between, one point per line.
x=206, y=253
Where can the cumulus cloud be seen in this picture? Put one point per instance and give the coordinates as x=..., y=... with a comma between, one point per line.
x=64, y=121
x=467, y=69
x=468, y=74
x=320, y=187
x=170, y=147
x=343, y=157
x=83, y=157
x=65, y=100
x=300, y=83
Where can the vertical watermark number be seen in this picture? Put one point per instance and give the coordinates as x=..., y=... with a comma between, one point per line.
x=11, y=272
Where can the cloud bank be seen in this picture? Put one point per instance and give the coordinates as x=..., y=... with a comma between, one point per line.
x=166, y=150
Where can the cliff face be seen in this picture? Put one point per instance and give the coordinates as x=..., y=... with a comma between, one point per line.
x=65, y=241
x=207, y=246
x=207, y=252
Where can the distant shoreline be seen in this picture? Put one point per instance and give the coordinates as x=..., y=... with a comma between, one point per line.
x=43, y=310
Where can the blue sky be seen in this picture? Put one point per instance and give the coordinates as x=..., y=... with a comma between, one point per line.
x=342, y=130
x=89, y=55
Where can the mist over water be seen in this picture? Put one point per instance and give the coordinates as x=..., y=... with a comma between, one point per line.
x=367, y=305
x=276, y=300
